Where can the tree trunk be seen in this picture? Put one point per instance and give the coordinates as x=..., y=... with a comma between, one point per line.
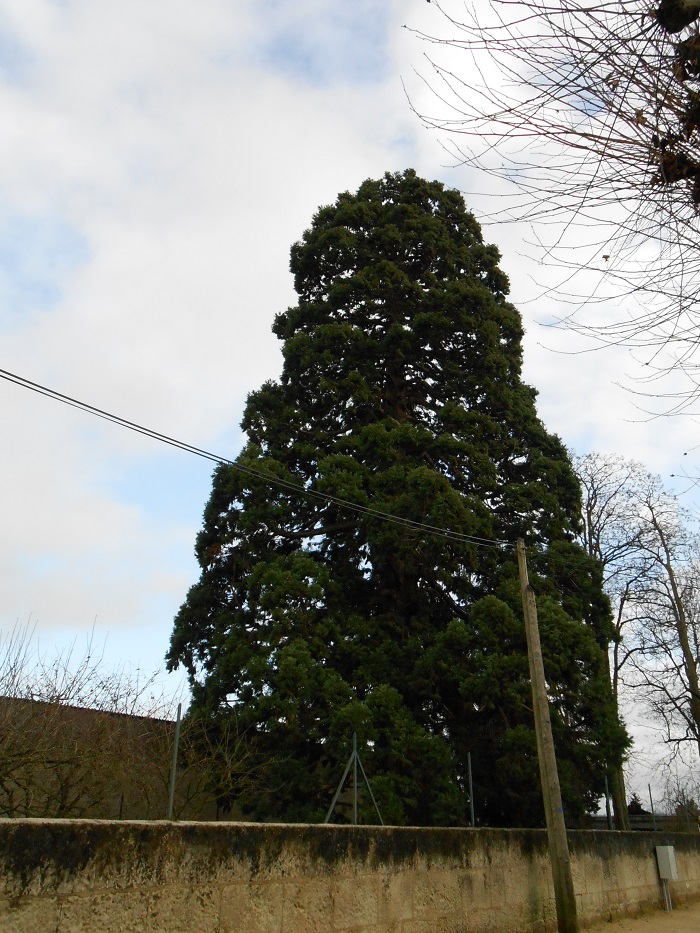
x=689, y=662
x=619, y=798
x=690, y=666
x=615, y=774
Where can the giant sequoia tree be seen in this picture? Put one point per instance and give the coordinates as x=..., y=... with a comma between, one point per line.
x=400, y=392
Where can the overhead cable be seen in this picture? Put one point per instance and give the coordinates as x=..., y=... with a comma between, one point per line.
x=248, y=471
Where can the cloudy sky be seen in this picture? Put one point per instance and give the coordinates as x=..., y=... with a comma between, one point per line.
x=157, y=160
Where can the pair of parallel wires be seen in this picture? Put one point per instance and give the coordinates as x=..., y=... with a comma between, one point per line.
x=247, y=470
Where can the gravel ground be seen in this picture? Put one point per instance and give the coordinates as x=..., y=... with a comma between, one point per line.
x=680, y=920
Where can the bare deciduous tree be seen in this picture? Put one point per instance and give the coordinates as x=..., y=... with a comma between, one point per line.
x=611, y=487
x=651, y=566
x=666, y=621
x=590, y=113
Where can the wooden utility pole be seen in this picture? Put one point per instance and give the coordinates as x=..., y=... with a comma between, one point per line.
x=549, y=777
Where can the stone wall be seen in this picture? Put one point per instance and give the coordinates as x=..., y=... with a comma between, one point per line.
x=83, y=876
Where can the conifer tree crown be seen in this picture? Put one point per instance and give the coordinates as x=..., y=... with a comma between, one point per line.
x=400, y=392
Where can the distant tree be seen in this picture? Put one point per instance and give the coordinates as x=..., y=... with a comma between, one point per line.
x=680, y=796
x=666, y=620
x=401, y=393
x=650, y=556
x=612, y=489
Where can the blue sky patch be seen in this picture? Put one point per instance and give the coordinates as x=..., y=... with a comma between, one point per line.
x=36, y=254
x=42, y=564
x=169, y=485
x=15, y=58
x=341, y=43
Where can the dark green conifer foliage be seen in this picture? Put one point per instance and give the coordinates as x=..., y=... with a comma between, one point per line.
x=401, y=391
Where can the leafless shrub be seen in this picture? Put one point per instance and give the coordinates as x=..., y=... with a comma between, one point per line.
x=80, y=740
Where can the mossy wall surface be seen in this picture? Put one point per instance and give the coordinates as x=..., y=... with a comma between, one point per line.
x=80, y=875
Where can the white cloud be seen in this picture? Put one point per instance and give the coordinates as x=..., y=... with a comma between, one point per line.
x=154, y=135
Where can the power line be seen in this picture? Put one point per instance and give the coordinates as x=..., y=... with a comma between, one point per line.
x=248, y=471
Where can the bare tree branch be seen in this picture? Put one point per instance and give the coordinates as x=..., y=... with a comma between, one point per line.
x=589, y=113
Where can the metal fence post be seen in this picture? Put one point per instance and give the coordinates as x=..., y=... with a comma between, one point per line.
x=173, y=765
